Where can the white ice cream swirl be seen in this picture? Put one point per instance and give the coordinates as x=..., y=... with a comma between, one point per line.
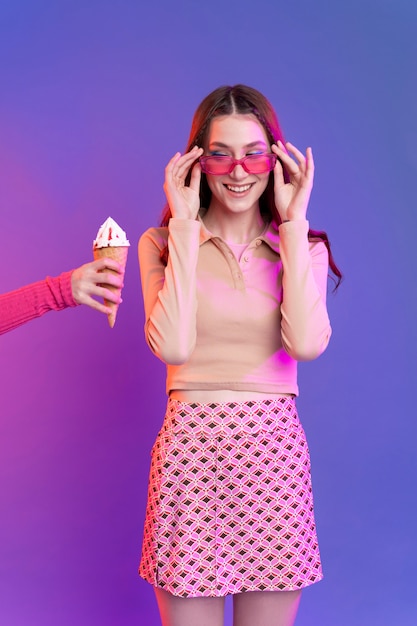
x=110, y=234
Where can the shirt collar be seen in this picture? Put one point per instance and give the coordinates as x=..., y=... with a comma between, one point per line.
x=270, y=235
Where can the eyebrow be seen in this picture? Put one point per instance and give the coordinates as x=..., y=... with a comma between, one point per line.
x=253, y=144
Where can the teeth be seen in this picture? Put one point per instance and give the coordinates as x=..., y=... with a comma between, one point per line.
x=238, y=189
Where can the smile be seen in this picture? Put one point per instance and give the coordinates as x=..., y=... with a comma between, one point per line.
x=239, y=189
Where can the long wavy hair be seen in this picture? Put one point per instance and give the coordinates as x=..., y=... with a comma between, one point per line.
x=241, y=99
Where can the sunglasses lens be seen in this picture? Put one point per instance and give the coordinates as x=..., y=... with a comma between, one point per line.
x=259, y=163
x=216, y=165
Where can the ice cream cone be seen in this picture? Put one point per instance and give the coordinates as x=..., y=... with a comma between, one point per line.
x=111, y=243
x=119, y=254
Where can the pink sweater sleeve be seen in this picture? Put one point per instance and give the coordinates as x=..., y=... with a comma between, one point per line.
x=31, y=301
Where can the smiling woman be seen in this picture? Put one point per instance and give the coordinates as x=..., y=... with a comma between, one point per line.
x=234, y=288
x=235, y=140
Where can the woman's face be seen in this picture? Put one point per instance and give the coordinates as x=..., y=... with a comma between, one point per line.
x=237, y=136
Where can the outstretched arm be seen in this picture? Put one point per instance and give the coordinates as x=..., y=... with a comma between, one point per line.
x=54, y=294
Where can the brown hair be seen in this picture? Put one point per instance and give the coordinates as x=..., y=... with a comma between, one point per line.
x=242, y=99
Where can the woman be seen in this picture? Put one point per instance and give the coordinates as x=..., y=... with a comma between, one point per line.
x=234, y=288
x=79, y=286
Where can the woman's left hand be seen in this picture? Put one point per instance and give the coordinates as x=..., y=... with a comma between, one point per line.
x=291, y=199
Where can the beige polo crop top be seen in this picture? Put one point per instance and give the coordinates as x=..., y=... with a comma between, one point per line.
x=220, y=323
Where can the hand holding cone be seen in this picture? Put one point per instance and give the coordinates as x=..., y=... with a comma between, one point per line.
x=111, y=242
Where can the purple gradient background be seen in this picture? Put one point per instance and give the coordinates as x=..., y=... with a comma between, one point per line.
x=95, y=96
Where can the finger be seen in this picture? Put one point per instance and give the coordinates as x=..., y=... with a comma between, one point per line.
x=112, y=296
x=171, y=163
x=173, y=160
x=192, y=154
x=281, y=146
x=97, y=306
x=290, y=165
x=183, y=165
x=102, y=294
x=106, y=263
x=179, y=158
x=195, y=178
x=278, y=170
x=101, y=290
x=309, y=163
x=297, y=154
x=107, y=278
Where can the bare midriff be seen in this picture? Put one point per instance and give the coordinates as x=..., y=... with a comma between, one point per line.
x=204, y=396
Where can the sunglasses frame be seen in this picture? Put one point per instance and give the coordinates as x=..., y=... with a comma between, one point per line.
x=271, y=158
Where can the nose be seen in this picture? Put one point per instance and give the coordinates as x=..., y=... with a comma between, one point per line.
x=238, y=172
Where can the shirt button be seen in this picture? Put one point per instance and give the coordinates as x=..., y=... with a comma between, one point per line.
x=246, y=259
x=258, y=242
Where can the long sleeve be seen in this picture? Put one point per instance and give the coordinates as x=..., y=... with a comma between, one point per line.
x=29, y=302
x=305, y=325
x=169, y=292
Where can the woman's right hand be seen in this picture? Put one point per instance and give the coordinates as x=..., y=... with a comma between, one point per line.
x=183, y=201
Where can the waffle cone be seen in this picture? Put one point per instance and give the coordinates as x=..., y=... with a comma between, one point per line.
x=119, y=254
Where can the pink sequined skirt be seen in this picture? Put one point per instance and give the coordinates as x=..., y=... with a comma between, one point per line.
x=230, y=505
